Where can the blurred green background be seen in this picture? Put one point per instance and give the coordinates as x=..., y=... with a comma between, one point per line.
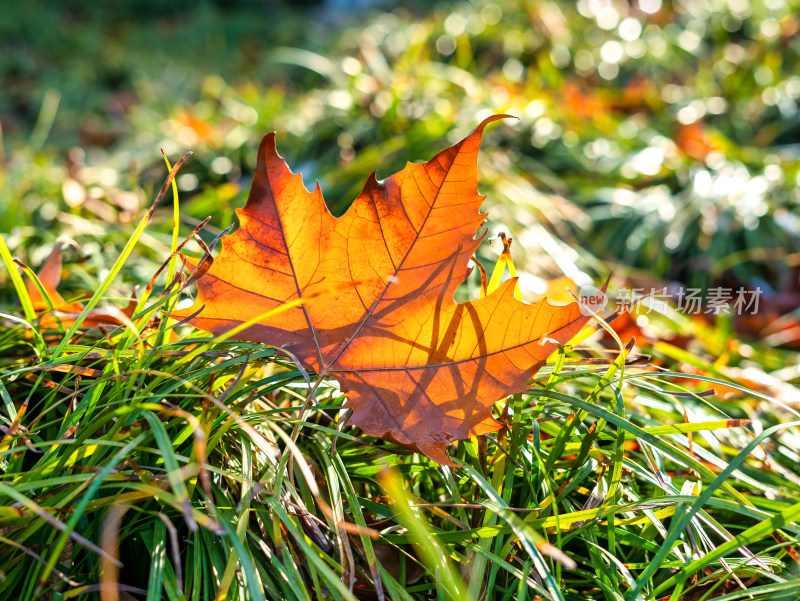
x=656, y=139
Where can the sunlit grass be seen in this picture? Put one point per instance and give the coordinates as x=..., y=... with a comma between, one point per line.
x=161, y=470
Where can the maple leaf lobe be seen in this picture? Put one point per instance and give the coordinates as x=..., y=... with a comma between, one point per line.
x=378, y=284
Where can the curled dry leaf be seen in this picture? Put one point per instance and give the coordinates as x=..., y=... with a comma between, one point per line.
x=62, y=312
x=49, y=275
x=417, y=368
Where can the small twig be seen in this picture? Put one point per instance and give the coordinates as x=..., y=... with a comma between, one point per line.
x=180, y=246
x=500, y=447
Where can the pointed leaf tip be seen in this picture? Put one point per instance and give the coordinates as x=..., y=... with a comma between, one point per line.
x=491, y=119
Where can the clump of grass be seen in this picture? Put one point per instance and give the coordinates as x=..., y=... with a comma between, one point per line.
x=153, y=462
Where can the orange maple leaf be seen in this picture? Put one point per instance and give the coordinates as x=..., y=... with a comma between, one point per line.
x=378, y=282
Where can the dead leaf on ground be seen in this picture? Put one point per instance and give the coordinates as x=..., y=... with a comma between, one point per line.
x=379, y=316
x=50, y=276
